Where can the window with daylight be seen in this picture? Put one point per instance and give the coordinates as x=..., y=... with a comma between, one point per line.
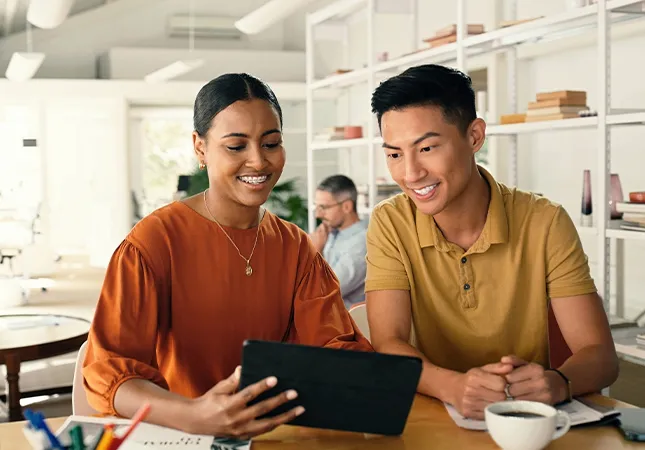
x=165, y=153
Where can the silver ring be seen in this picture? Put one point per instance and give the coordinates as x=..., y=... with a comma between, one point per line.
x=506, y=391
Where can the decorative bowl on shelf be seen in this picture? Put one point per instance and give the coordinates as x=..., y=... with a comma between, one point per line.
x=353, y=132
x=637, y=197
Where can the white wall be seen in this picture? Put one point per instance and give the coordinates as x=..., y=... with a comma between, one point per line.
x=135, y=63
x=295, y=141
x=87, y=191
x=80, y=174
x=135, y=91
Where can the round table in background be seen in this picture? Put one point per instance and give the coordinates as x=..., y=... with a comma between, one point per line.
x=27, y=337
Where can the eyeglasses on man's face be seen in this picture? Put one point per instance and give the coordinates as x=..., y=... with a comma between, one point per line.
x=326, y=207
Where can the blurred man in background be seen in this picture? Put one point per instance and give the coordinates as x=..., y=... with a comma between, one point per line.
x=340, y=237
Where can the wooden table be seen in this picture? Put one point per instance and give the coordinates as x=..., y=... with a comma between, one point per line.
x=27, y=337
x=429, y=426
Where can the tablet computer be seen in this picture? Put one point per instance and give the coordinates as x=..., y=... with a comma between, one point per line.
x=339, y=389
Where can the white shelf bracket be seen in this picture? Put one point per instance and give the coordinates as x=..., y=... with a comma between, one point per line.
x=309, y=61
x=511, y=78
x=604, y=153
x=461, y=35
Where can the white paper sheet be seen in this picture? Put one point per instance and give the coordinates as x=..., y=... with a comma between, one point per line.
x=579, y=413
x=146, y=436
x=461, y=421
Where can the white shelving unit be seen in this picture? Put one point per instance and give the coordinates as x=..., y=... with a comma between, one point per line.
x=598, y=18
x=337, y=13
x=601, y=16
x=634, y=118
x=341, y=143
x=629, y=348
x=567, y=24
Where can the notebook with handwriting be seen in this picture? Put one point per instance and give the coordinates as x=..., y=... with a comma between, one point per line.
x=147, y=436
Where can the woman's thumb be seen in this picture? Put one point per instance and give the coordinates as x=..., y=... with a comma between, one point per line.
x=229, y=385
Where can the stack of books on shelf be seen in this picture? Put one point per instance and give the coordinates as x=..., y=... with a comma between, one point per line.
x=330, y=134
x=557, y=105
x=633, y=215
x=338, y=133
x=448, y=35
x=640, y=340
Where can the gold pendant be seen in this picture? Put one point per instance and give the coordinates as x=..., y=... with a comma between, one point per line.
x=249, y=270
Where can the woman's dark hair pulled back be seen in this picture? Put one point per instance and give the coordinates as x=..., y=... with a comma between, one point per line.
x=223, y=91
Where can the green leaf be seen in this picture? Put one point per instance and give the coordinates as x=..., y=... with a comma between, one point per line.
x=198, y=182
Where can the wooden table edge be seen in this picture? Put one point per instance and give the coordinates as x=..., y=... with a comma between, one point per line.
x=13, y=357
x=69, y=345
x=56, y=422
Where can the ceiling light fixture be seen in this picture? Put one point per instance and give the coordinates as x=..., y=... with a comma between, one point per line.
x=180, y=67
x=174, y=70
x=268, y=14
x=24, y=65
x=48, y=13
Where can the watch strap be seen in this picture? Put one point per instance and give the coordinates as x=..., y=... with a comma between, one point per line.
x=567, y=382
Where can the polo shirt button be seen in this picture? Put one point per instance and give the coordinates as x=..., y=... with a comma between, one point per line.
x=463, y=260
x=466, y=286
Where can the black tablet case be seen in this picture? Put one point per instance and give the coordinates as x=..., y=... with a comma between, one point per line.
x=339, y=389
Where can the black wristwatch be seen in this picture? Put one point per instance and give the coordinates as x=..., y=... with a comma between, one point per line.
x=567, y=382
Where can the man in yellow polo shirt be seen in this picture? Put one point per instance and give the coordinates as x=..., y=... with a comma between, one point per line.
x=470, y=265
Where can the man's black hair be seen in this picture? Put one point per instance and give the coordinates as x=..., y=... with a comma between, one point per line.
x=428, y=85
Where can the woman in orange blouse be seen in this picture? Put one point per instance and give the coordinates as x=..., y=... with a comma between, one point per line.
x=196, y=278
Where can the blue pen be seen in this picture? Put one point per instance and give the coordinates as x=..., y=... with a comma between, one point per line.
x=38, y=422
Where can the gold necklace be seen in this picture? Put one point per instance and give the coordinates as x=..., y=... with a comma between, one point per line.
x=249, y=269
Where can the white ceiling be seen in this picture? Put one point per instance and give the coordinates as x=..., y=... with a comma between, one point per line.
x=13, y=13
x=74, y=48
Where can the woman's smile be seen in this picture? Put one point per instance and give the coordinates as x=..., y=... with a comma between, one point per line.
x=256, y=182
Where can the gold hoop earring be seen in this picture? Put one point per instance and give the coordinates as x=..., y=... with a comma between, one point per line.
x=202, y=166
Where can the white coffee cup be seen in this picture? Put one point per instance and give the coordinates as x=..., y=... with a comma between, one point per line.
x=524, y=425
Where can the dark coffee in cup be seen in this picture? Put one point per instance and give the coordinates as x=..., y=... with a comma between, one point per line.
x=521, y=414
x=525, y=425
